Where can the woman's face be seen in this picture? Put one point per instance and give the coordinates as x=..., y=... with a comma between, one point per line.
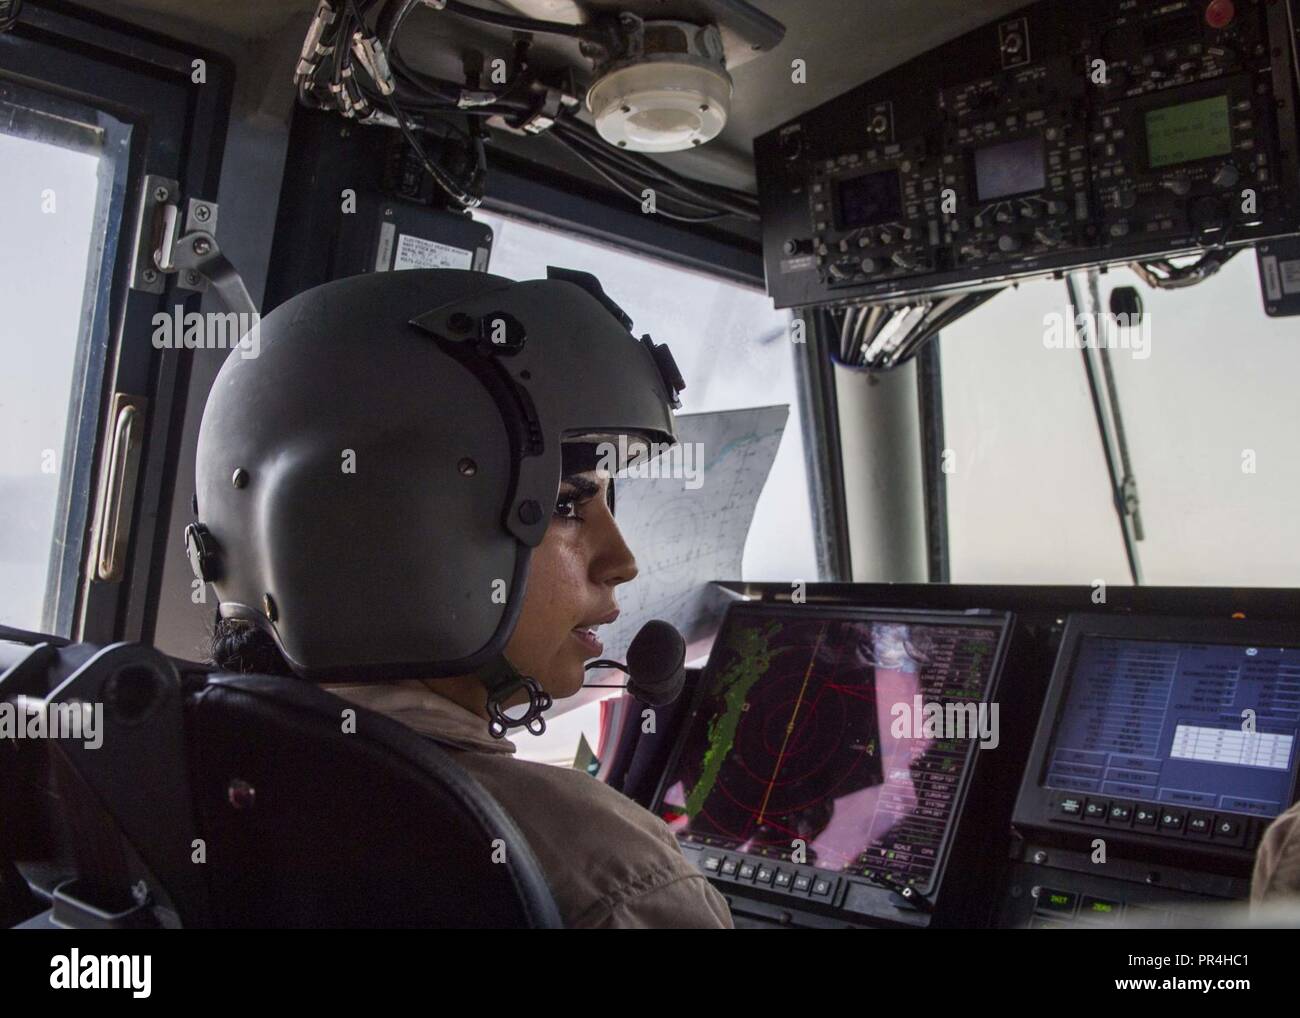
x=571, y=581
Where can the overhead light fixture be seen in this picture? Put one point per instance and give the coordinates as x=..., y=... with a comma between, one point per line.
x=666, y=90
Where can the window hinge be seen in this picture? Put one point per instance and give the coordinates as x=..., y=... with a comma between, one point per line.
x=191, y=255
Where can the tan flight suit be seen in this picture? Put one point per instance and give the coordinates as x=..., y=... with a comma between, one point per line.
x=1277, y=864
x=609, y=862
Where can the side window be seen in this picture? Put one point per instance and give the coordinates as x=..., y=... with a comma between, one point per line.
x=103, y=131
x=61, y=204
x=734, y=352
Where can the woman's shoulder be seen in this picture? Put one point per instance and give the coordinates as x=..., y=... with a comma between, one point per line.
x=604, y=855
x=544, y=793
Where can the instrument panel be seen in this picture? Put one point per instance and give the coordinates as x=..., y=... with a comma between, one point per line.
x=1065, y=136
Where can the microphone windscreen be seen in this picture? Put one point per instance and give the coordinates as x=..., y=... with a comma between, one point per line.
x=656, y=663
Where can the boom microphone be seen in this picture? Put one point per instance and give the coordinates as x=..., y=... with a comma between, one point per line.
x=656, y=664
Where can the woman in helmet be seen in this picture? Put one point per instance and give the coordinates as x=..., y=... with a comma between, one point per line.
x=407, y=497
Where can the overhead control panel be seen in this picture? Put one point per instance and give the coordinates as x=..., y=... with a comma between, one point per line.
x=1065, y=136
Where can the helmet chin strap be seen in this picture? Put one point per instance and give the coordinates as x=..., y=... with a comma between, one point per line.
x=503, y=681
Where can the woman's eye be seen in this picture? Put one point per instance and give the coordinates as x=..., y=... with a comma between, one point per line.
x=566, y=508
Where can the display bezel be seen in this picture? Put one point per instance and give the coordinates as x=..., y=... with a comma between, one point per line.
x=1034, y=802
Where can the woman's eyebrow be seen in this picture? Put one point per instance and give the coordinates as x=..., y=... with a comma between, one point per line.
x=584, y=487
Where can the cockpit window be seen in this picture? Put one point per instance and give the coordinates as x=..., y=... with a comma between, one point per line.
x=1209, y=434
x=62, y=209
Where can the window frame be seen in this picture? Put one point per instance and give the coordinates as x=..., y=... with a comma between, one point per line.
x=177, y=130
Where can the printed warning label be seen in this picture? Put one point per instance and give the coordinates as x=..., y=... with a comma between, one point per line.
x=418, y=253
x=1290, y=273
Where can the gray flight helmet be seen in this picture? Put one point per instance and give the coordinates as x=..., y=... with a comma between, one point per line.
x=370, y=485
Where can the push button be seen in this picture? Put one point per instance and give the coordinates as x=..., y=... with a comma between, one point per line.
x=1227, y=828
x=729, y=867
x=1199, y=824
x=1172, y=820
x=1052, y=900
x=802, y=882
x=1121, y=814
x=821, y=886
x=1144, y=816
x=711, y=863
x=1071, y=806
x=747, y=871
x=1096, y=809
x=782, y=879
x=1101, y=910
x=764, y=875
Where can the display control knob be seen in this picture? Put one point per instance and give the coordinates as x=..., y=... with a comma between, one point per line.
x=1009, y=243
x=1179, y=185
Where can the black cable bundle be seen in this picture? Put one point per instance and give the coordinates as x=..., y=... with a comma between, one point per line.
x=348, y=66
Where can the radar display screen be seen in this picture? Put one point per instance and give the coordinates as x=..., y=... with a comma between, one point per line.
x=808, y=740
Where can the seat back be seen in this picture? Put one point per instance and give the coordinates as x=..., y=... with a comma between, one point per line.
x=246, y=801
x=309, y=824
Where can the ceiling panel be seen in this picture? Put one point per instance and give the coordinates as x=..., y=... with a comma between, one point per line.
x=844, y=42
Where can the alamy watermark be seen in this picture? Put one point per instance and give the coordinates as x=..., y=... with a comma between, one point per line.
x=208, y=330
x=31, y=717
x=77, y=971
x=1123, y=331
x=952, y=720
x=678, y=461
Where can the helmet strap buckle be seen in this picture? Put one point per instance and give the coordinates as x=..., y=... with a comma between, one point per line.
x=503, y=681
